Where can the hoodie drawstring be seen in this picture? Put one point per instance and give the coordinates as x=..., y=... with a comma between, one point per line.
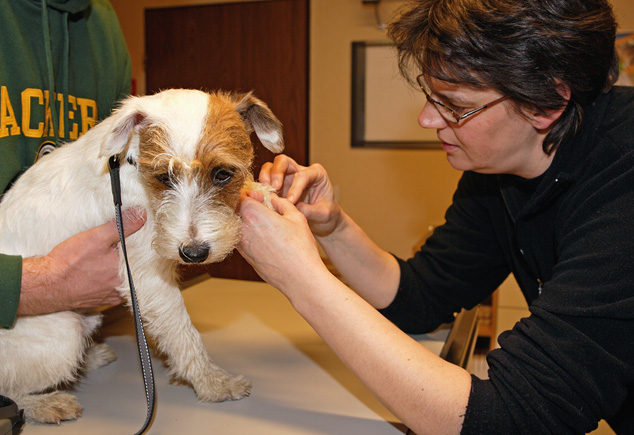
x=48, y=50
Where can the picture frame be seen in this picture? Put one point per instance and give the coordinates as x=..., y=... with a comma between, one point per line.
x=625, y=49
x=385, y=106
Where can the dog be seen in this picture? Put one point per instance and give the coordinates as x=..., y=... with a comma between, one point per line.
x=186, y=155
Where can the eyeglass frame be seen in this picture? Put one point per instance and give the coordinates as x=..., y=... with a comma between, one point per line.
x=453, y=113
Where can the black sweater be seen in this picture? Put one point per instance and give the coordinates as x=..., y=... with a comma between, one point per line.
x=568, y=238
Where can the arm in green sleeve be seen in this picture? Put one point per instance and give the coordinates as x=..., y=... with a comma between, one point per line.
x=10, y=282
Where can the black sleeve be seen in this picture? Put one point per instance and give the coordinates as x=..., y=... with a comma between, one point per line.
x=459, y=266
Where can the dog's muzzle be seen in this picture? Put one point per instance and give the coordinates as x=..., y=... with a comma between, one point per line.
x=195, y=253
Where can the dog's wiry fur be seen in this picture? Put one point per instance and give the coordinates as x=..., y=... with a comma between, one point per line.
x=186, y=154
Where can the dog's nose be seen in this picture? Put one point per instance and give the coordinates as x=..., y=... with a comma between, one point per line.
x=193, y=254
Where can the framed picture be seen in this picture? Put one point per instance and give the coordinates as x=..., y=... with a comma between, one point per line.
x=625, y=49
x=385, y=106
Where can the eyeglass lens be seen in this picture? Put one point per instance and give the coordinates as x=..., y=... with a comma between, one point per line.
x=447, y=113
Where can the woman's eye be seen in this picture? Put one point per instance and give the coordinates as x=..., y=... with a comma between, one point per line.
x=456, y=108
x=165, y=179
x=221, y=176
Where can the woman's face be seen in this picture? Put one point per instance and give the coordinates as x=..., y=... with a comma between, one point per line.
x=496, y=140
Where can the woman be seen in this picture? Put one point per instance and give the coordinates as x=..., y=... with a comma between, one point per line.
x=520, y=93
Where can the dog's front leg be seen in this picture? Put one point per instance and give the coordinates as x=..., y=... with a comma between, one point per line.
x=167, y=321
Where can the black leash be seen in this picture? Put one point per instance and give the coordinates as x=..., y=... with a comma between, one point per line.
x=144, y=352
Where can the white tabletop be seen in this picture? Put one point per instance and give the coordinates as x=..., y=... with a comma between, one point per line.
x=249, y=328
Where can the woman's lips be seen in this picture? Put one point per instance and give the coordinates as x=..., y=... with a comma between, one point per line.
x=448, y=147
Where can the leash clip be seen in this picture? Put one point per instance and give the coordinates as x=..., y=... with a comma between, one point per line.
x=113, y=167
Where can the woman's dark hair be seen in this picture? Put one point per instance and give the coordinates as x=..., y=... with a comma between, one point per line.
x=526, y=49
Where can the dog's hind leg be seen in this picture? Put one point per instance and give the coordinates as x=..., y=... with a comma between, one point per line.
x=98, y=356
x=37, y=355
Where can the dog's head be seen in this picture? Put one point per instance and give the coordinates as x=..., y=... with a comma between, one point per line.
x=193, y=152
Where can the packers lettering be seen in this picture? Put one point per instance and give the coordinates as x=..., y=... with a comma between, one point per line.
x=37, y=119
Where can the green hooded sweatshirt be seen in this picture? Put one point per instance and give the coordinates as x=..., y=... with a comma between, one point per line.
x=73, y=50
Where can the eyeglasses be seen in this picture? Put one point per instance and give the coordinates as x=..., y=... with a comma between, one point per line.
x=448, y=113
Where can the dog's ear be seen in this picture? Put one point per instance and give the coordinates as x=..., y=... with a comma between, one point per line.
x=125, y=121
x=259, y=118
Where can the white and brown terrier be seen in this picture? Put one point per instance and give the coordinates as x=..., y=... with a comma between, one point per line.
x=188, y=154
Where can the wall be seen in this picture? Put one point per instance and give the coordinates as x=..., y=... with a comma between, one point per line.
x=624, y=11
x=394, y=195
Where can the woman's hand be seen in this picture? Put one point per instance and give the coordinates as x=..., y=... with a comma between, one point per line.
x=278, y=243
x=399, y=371
x=371, y=271
x=308, y=188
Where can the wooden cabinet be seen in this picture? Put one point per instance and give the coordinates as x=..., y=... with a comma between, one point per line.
x=258, y=46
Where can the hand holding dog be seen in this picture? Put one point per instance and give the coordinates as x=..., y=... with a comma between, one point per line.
x=81, y=272
x=308, y=188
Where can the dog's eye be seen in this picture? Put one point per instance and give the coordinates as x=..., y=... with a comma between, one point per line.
x=221, y=176
x=165, y=179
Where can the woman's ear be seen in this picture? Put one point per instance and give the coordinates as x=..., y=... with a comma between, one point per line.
x=543, y=120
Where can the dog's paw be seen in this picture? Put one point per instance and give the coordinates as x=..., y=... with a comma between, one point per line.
x=52, y=407
x=264, y=189
x=222, y=388
x=98, y=356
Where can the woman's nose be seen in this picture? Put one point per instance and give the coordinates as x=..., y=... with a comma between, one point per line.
x=430, y=117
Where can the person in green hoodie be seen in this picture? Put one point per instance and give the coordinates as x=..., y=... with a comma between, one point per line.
x=64, y=65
